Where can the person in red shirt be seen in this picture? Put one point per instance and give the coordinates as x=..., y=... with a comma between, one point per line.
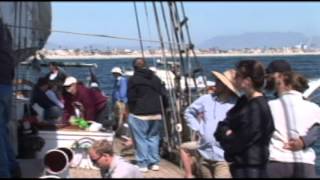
x=92, y=103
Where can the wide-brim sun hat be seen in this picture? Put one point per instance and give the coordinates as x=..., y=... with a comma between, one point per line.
x=228, y=79
x=69, y=81
x=116, y=70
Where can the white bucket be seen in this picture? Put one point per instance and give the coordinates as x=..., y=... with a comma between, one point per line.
x=56, y=162
x=69, y=153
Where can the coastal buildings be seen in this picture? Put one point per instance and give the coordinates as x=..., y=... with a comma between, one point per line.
x=126, y=52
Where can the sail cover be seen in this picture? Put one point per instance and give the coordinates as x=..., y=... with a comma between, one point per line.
x=29, y=25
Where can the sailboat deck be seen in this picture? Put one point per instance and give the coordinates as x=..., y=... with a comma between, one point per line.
x=33, y=168
x=167, y=170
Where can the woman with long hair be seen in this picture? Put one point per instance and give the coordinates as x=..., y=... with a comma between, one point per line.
x=245, y=133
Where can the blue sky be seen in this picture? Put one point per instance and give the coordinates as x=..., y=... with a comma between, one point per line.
x=206, y=20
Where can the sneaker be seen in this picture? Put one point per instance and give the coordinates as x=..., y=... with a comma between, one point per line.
x=155, y=167
x=143, y=169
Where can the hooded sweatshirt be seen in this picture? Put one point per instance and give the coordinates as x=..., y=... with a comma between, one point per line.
x=144, y=92
x=93, y=102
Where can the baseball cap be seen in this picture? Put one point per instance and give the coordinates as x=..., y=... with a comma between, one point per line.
x=278, y=66
x=69, y=80
x=116, y=70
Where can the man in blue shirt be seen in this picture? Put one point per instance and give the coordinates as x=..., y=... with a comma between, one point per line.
x=202, y=116
x=119, y=95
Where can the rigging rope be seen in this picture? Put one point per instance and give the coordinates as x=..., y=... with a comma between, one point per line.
x=89, y=34
x=149, y=32
x=168, y=34
x=169, y=82
x=161, y=39
x=192, y=47
x=184, y=49
x=138, y=26
x=172, y=88
x=19, y=32
x=171, y=51
x=177, y=30
x=16, y=86
x=172, y=91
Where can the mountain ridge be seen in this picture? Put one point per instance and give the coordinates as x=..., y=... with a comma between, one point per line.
x=260, y=40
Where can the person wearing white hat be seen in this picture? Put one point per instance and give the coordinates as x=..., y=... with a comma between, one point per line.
x=119, y=103
x=92, y=103
x=116, y=70
x=119, y=96
x=202, y=117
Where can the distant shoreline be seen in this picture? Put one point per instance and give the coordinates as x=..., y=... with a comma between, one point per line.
x=83, y=57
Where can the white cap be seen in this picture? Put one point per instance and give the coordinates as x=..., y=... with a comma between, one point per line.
x=94, y=84
x=116, y=70
x=69, y=80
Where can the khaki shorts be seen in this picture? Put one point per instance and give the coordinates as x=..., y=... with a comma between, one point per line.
x=119, y=112
x=208, y=169
x=215, y=169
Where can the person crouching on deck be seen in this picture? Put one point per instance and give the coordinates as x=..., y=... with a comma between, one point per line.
x=47, y=99
x=145, y=95
x=214, y=108
x=92, y=103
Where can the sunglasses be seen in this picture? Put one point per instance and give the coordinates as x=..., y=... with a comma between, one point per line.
x=95, y=161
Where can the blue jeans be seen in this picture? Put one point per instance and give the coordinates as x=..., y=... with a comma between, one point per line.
x=146, y=137
x=7, y=156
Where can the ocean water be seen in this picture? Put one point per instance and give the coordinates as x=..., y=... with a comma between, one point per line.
x=307, y=65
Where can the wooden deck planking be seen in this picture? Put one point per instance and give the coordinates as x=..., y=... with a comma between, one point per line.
x=33, y=168
x=167, y=168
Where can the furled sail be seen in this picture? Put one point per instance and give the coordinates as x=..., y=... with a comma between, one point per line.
x=29, y=25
